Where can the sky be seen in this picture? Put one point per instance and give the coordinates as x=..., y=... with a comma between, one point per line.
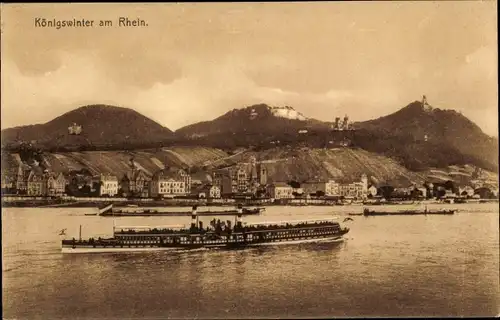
x=195, y=61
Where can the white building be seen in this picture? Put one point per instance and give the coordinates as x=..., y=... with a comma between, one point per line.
x=355, y=189
x=168, y=182
x=329, y=188
x=334, y=189
x=210, y=191
x=280, y=190
x=424, y=191
x=108, y=185
x=372, y=190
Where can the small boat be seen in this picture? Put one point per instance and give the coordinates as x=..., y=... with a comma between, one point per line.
x=218, y=235
x=101, y=210
x=106, y=209
x=258, y=210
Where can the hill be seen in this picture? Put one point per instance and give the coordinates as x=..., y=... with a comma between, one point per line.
x=417, y=136
x=118, y=162
x=462, y=175
x=258, y=120
x=102, y=125
x=340, y=164
x=421, y=136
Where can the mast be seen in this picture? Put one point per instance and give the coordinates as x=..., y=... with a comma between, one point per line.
x=80, y=236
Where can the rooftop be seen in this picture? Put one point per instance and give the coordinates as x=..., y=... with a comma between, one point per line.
x=280, y=184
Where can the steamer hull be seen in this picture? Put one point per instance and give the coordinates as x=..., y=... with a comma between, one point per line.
x=91, y=249
x=172, y=242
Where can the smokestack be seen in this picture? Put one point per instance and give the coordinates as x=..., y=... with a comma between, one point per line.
x=239, y=216
x=194, y=217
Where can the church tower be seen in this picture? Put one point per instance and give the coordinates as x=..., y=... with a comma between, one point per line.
x=262, y=175
x=364, y=181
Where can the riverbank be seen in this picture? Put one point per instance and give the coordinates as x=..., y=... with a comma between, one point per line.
x=74, y=203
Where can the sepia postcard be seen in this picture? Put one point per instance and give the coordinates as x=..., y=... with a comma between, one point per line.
x=249, y=160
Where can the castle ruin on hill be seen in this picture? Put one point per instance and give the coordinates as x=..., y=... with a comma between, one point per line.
x=341, y=133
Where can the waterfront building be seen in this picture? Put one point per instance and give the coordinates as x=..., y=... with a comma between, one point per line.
x=351, y=190
x=36, y=185
x=357, y=189
x=332, y=188
x=82, y=184
x=168, y=182
x=329, y=188
x=423, y=191
x=372, y=191
x=212, y=191
x=136, y=182
x=217, y=177
x=35, y=181
x=244, y=178
x=56, y=184
x=223, y=180
x=8, y=182
x=108, y=185
x=280, y=190
x=208, y=191
x=186, y=177
x=23, y=173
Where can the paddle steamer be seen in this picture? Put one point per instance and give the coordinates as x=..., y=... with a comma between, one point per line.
x=218, y=235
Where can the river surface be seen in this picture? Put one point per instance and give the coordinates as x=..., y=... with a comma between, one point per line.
x=442, y=265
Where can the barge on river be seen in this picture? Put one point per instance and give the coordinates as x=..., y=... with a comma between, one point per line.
x=218, y=235
x=136, y=212
x=368, y=212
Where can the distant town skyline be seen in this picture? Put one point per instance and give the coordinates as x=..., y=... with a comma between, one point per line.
x=194, y=61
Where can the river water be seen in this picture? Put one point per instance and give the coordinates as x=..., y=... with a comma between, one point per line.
x=389, y=266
